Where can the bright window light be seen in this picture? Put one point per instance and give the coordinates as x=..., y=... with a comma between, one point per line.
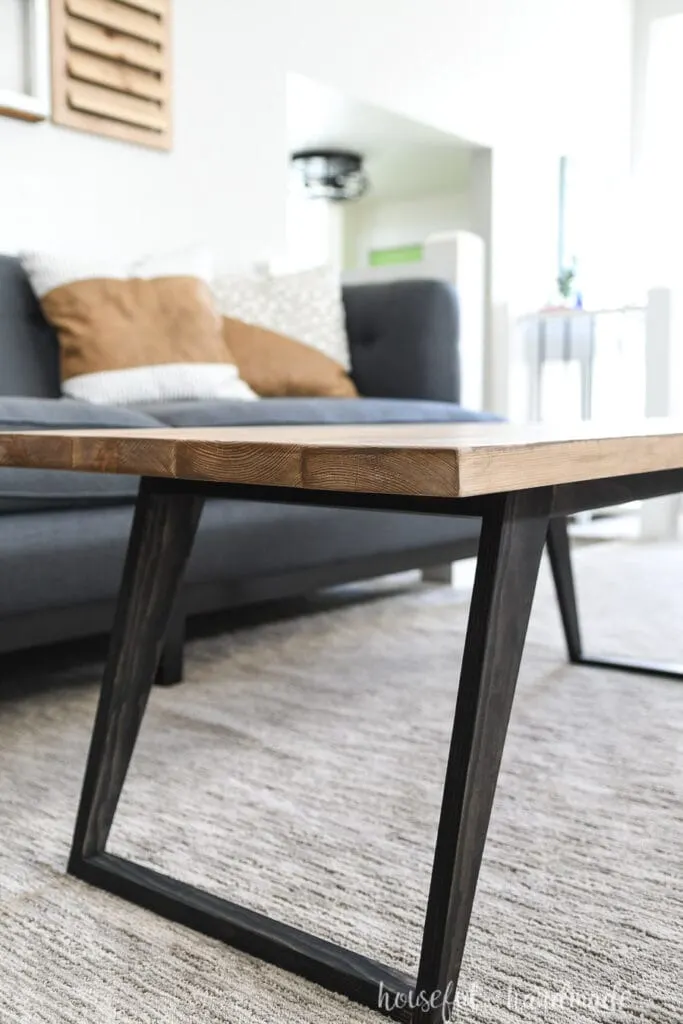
x=662, y=188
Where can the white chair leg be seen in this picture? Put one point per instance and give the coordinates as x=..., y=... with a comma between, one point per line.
x=659, y=518
x=459, y=575
x=444, y=573
x=663, y=368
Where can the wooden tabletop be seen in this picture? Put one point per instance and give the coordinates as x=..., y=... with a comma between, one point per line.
x=438, y=460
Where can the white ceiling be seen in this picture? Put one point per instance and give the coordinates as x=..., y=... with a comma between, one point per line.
x=403, y=158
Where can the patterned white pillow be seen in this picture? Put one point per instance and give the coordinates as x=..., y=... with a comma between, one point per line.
x=306, y=305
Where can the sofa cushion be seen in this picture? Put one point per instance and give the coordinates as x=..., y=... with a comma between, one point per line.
x=244, y=551
x=22, y=413
x=295, y=411
x=25, y=490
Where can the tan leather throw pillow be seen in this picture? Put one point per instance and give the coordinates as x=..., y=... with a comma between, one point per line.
x=149, y=335
x=276, y=366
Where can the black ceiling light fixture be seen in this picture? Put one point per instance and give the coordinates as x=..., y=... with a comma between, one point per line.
x=335, y=174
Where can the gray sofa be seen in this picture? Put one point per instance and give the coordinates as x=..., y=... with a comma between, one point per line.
x=63, y=535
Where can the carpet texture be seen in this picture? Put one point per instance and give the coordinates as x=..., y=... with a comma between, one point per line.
x=299, y=771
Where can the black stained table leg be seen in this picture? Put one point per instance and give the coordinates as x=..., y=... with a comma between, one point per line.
x=170, y=668
x=164, y=527
x=563, y=576
x=561, y=567
x=510, y=548
x=512, y=540
x=161, y=540
x=514, y=530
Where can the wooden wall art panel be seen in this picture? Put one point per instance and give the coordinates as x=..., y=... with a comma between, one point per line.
x=111, y=68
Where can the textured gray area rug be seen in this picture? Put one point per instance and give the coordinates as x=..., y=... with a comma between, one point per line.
x=299, y=771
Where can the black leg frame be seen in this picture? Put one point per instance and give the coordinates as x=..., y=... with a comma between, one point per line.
x=171, y=661
x=561, y=565
x=514, y=531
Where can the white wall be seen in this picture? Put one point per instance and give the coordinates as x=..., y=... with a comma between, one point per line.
x=487, y=70
x=223, y=180
x=494, y=70
x=315, y=234
x=373, y=224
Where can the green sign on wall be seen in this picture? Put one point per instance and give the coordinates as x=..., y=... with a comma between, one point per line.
x=392, y=257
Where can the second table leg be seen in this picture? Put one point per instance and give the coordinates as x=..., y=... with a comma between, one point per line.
x=510, y=548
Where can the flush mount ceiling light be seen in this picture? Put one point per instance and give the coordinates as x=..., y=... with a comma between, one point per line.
x=335, y=174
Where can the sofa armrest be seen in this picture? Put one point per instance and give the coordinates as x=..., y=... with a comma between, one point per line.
x=404, y=339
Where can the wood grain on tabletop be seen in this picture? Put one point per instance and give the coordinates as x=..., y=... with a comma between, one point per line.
x=439, y=459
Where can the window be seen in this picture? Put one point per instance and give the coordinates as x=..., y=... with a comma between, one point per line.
x=661, y=185
x=598, y=231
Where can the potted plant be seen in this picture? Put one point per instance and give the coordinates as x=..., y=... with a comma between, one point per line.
x=565, y=282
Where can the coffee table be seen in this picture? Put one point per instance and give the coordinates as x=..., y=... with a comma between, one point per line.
x=522, y=482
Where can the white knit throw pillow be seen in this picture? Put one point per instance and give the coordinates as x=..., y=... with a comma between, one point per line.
x=306, y=305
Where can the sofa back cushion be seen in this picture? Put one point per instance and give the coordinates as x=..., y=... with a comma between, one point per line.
x=29, y=353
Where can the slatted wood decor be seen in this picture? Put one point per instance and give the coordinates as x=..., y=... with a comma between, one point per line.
x=111, y=68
